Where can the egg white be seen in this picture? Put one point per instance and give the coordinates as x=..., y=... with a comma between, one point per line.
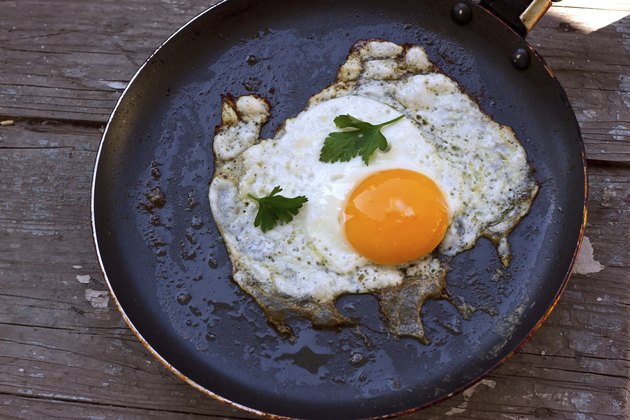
x=310, y=256
x=478, y=164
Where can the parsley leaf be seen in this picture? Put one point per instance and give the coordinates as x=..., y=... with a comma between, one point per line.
x=358, y=138
x=274, y=208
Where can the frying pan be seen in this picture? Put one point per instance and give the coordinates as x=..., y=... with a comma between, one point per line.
x=167, y=266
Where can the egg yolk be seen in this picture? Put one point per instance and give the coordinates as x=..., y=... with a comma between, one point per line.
x=395, y=216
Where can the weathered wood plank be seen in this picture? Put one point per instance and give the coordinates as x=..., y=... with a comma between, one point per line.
x=58, y=341
x=90, y=367
x=593, y=65
x=18, y=407
x=74, y=67
x=63, y=352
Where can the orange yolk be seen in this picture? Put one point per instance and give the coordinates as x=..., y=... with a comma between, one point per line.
x=395, y=216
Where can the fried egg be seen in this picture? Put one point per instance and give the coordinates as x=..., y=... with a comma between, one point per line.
x=449, y=176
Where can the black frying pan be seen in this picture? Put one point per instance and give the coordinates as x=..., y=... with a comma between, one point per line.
x=167, y=265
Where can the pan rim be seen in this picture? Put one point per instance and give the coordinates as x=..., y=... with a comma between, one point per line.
x=251, y=410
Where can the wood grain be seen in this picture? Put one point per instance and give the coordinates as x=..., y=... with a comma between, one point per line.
x=45, y=72
x=64, y=354
x=74, y=67
x=594, y=69
x=56, y=346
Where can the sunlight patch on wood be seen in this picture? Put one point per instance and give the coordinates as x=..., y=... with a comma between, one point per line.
x=586, y=20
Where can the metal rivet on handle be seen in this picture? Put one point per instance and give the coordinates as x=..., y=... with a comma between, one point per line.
x=461, y=13
x=520, y=58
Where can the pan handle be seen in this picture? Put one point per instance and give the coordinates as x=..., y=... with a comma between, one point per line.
x=522, y=15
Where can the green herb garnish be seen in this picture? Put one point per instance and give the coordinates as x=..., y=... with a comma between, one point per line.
x=358, y=138
x=274, y=208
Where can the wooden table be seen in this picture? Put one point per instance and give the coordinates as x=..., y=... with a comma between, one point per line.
x=65, y=350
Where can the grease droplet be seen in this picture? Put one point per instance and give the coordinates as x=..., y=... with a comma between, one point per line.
x=184, y=298
x=358, y=359
x=155, y=171
x=156, y=198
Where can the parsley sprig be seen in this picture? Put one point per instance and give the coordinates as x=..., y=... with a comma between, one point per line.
x=274, y=208
x=358, y=138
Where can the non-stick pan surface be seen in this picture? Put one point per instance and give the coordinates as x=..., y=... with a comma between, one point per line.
x=168, y=268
